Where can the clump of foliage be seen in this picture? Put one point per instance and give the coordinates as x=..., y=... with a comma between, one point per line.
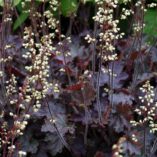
x=78, y=78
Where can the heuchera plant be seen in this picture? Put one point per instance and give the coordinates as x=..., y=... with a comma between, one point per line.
x=78, y=78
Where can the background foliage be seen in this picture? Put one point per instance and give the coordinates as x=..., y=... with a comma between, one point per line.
x=77, y=131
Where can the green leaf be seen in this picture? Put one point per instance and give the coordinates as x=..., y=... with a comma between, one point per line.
x=68, y=7
x=85, y=1
x=42, y=0
x=16, y=2
x=21, y=19
x=150, y=19
x=23, y=15
x=1, y=3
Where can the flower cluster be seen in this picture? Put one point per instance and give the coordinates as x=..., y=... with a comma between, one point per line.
x=126, y=1
x=147, y=110
x=109, y=28
x=152, y=5
x=125, y=13
x=137, y=27
x=39, y=54
x=34, y=88
x=49, y=14
x=22, y=153
x=89, y=39
x=118, y=148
